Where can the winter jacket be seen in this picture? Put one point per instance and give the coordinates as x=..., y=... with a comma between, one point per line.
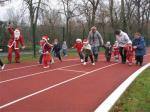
x=56, y=47
x=141, y=46
x=78, y=46
x=95, y=39
x=122, y=39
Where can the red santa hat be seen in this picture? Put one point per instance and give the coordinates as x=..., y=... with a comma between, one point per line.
x=17, y=33
x=85, y=41
x=45, y=38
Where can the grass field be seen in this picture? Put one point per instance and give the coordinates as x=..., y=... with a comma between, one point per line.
x=137, y=97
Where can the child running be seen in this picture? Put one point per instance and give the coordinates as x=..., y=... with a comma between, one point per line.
x=130, y=52
x=1, y=63
x=116, y=51
x=46, y=47
x=108, y=51
x=56, y=49
x=87, y=50
x=78, y=45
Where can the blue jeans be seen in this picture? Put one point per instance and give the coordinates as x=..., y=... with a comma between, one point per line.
x=95, y=51
x=64, y=51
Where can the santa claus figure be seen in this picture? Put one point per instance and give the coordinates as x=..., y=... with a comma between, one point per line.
x=13, y=44
x=46, y=48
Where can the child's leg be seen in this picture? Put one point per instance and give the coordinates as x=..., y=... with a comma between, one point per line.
x=141, y=60
x=91, y=58
x=86, y=58
x=58, y=55
x=46, y=60
x=40, y=59
x=81, y=55
x=130, y=59
x=1, y=63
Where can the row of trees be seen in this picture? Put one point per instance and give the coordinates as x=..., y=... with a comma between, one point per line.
x=74, y=18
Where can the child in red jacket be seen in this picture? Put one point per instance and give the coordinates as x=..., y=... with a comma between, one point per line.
x=130, y=52
x=116, y=51
x=46, y=48
x=78, y=45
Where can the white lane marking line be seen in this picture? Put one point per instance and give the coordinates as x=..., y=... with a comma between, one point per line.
x=19, y=68
x=108, y=103
x=37, y=73
x=56, y=85
x=72, y=70
x=33, y=65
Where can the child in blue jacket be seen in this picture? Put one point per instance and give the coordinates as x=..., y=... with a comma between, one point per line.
x=140, y=48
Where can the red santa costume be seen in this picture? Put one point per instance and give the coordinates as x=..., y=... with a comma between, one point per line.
x=130, y=52
x=13, y=44
x=78, y=45
x=46, y=48
x=116, y=51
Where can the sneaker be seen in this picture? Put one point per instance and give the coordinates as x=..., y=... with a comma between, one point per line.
x=82, y=60
x=46, y=66
x=84, y=63
x=93, y=63
x=130, y=64
x=3, y=67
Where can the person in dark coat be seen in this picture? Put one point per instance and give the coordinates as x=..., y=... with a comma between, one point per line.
x=108, y=51
x=140, y=48
x=56, y=49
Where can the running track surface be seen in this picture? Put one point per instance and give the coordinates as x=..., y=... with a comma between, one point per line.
x=66, y=86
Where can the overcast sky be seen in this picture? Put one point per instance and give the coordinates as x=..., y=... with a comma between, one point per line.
x=16, y=6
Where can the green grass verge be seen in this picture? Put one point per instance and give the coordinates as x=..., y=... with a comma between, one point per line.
x=137, y=97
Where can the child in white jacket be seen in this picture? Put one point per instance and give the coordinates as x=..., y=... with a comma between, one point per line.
x=87, y=50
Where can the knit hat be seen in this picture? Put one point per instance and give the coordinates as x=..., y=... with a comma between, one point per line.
x=108, y=42
x=45, y=38
x=78, y=40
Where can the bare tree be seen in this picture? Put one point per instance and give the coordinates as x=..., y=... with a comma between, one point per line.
x=94, y=4
x=33, y=7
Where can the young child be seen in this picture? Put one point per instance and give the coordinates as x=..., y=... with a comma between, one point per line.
x=78, y=45
x=46, y=47
x=108, y=51
x=130, y=51
x=40, y=51
x=56, y=49
x=87, y=50
x=140, y=48
x=1, y=63
x=116, y=51
x=64, y=48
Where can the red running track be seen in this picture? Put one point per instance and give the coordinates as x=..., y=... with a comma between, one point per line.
x=65, y=87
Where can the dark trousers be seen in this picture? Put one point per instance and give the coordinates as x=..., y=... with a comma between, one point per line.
x=139, y=60
x=1, y=63
x=81, y=55
x=91, y=58
x=58, y=55
x=123, y=54
x=40, y=59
